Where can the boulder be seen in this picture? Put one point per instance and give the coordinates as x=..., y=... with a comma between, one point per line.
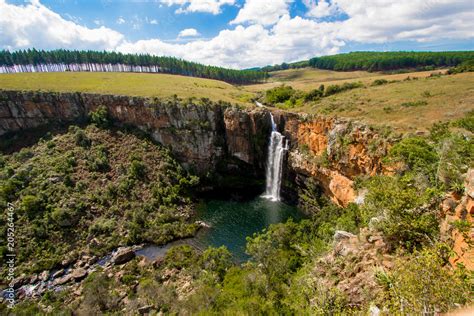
x=63, y=280
x=57, y=274
x=44, y=276
x=123, y=255
x=79, y=274
x=341, y=235
x=145, y=309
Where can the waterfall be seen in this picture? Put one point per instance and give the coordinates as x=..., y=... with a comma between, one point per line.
x=276, y=152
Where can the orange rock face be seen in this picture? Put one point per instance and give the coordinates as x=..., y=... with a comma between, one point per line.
x=314, y=135
x=337, y=152
x=463, y=240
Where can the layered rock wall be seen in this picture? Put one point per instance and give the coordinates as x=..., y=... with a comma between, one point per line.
x=207, y=136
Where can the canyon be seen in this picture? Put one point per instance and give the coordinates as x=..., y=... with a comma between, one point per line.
x=219, y=140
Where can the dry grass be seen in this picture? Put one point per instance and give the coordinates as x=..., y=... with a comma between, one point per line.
x=309, y=78
x=147, y=85
x=406, y=105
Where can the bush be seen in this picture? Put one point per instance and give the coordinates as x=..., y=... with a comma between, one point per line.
x=314, y=94
x=396, y=203
x=217, y=260
x=467, y=122
x=333, y=89
x=414, y=104
x=182, y=256
x=100, y=117
x=32, y=206
x=379, y=82
x=417, y=154
x=81, y=139
x=279, y=94
x=425, y=285
x=137, y=170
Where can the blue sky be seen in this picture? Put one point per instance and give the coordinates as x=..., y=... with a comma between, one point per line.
x=238, y=33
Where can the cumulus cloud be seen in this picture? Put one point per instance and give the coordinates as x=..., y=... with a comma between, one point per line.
x=188, y=33
x=379, y=21
x=264, y=12
x=256, y=37
x=120, y=20
x=34, y=25
x=208, y=6
x=248, y=46
x=320, y=8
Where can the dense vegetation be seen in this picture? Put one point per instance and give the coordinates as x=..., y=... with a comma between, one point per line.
x=286, y=97
x=381, y=61
x=297, y=268
x=92, y=190
x=169, y=65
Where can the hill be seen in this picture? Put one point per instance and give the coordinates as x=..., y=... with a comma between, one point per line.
x=147, y=85
x=406, y=102
x=381, y=61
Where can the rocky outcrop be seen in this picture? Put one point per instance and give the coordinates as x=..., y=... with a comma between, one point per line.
x=209, y=137
x=334, y=152
x=459, y=209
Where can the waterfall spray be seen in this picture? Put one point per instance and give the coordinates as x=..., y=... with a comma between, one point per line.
x=276, y=152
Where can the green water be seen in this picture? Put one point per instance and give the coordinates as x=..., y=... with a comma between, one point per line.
x=231, y=222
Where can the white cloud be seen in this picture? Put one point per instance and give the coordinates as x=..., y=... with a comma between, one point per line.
x=153, y=21
x=188, y=33
x=320, y=8
x=379, y=21
x=208, y=6
x=34, y=25
x=261, y=37
x=250, y=46
x=120, y=20
x=264, y=12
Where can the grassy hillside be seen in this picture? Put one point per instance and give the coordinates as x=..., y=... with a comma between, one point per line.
x=406, y=105
x=407, y=102
x=146, y=85
x=309, y=78
x=89, y=191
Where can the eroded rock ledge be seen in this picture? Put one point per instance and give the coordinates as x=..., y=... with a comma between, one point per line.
x=209, y=137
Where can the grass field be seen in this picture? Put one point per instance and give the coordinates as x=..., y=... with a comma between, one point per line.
x=147, y=85
x=408, y=105
x=309, y=78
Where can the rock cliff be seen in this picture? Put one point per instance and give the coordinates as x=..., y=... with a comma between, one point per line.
x=217, y=137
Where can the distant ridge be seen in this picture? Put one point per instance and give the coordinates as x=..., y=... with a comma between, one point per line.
x=381, y=61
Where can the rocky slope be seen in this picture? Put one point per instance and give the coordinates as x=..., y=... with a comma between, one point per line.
x=219, y=138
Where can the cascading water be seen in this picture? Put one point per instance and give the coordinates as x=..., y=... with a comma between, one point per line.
x=276, y=152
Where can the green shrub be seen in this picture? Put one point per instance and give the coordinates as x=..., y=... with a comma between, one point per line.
x=425, y=284
x=100, y=117
x=314, y=94
x=417, y=154
x=32, y=206
x=414, y=103
x=396, y=202
x=182, y=256
x=466, y=122
x=137, y=170
x=81, y=139
x=279, y=94
x=379, y=82
x=217, y=260
x=333, y=89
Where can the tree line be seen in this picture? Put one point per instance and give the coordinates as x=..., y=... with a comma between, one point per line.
x=381, y=61
x=130, y=62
